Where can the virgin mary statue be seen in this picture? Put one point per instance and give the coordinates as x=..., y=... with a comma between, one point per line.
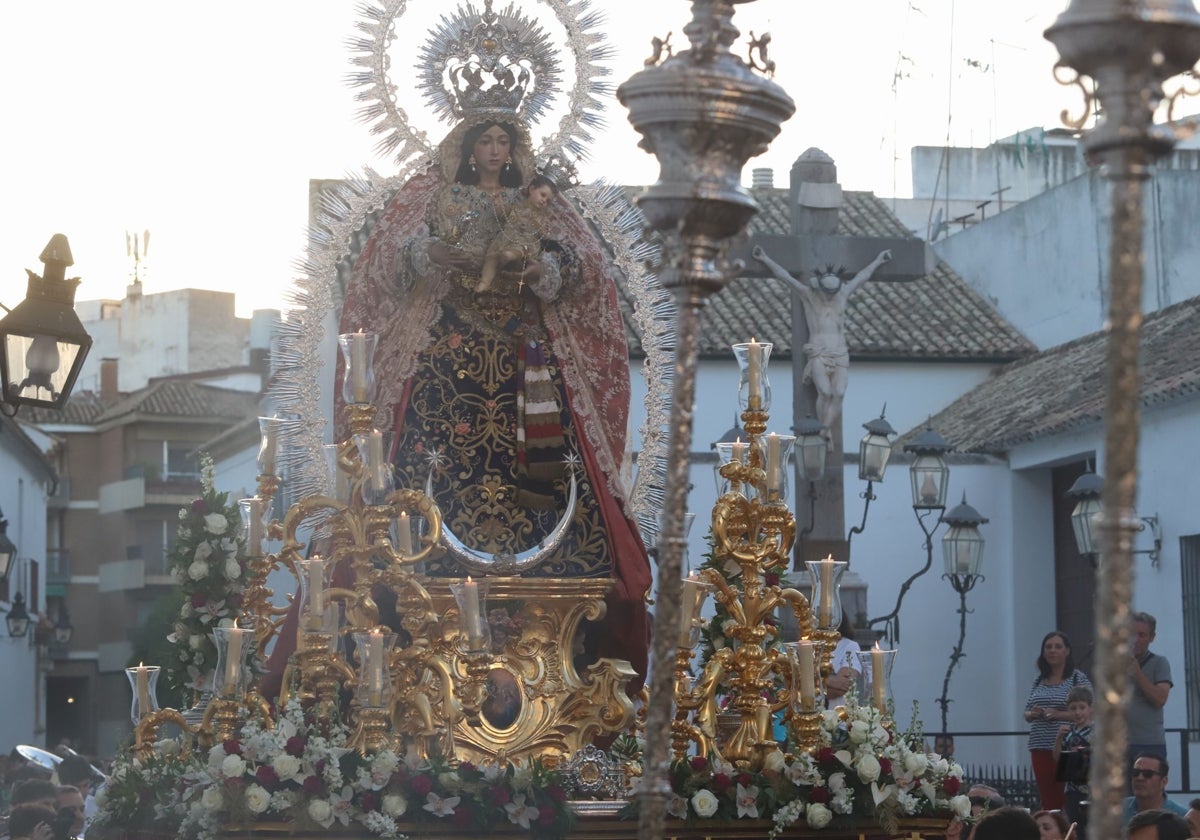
x=496, y=397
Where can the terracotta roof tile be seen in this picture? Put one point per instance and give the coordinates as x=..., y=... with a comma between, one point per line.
x=165, y=398
x=1064, y=388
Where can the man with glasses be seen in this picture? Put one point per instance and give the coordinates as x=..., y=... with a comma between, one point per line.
x=1149, y=780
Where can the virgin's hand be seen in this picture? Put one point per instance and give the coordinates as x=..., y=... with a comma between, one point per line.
x=446, y=257
x=531, y=274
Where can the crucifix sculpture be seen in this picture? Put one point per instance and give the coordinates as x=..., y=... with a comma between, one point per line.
x=815, y=249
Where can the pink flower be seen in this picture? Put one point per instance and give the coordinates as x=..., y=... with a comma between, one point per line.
x=462, y=428
x=747, y=801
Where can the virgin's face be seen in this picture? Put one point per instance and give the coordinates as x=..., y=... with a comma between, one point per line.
x=1054, y=650
x=492, y=150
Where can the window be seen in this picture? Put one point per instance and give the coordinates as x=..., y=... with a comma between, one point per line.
x=181, y=463
x=1189, y=554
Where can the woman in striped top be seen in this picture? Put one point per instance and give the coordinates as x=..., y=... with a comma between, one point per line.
x=1046, y=711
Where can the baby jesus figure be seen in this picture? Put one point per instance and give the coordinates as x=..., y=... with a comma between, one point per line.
x=521, y=237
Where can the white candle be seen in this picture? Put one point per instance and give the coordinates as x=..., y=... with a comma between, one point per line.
x=233, y=661
x=375, y=450
x=270, y=446
x=774, y=472
x=825, y=609
x=738, y=451
x=143, y=689
x=473, y=626
x=754, y=372
x=316, y=592
x=693, y=595
x=375, y=667
x=358, y=366
x=254, y=528
x=877, y=679
x=808, y=680
x=404, y=534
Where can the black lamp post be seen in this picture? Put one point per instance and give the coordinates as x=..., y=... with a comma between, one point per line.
x=1086, y=491
x=18, y=617
x=42, y=341
x=962, y=550
x=63, y=629
x=929, y=477
x=811, y=449
x=874, y=452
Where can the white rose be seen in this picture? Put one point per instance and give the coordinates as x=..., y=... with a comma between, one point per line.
x=233, y=766
x=257, y=799
x=211, y=798
x=394, y=805
x=916, y=763
x=228, y=546
x=167, y=747
x=817, y=815
x=198, y=571
x=961, y=806
x=286, y=766
x=215, y=523
x=860, y=730
x=203, y=551
x=775, y=761
x=232, y=569
x=195, y=641
x=321, y=812
x=868, y=768
x=705, y=802
x=837, y=782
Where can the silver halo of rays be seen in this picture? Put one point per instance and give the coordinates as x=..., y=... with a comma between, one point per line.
x=342, y=212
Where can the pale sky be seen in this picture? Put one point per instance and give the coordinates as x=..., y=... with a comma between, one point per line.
x=204, y=122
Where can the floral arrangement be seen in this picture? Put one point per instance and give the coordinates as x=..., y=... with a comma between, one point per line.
x=303, y=772
x=205, y=561
x=862, y=767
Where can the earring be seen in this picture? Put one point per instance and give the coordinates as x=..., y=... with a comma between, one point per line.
x=472, y=163
x=508, y=164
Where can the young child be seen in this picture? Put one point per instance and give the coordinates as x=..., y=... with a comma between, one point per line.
x=521, y=237
x=1076, y=738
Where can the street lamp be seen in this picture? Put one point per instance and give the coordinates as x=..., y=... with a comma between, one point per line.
x=18, y=617
x=1086, y=491
x=962, y=550
x=42, y=341
x=930, y=477
x=874, y=452
x=63, y=629
x=8, y=551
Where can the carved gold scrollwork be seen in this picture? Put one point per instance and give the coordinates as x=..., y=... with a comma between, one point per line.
x=1069, y=76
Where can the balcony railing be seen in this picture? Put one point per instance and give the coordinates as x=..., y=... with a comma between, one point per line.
x=58, y=565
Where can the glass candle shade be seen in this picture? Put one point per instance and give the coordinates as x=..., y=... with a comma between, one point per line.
x=234, y=645
x=776, y=452
x=695, y=591
x=254, y=524
x=826, y=591
x=754, y=388
x=358, y=354
x=312, y=593
x=805, y=661
x=374, y=673
x=729, y=452
x=876, y=667
x=405, y=537
x=143, y=680
x=268, y=447
x=377, y=480
x=471, y=596
x=337, y=480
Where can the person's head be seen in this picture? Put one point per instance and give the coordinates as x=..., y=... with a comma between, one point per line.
x=984, y=799
x=1193, y=817
x=1157, y=824
x=490, y=145
x=943, y=744
x=76, y=770
x=1079, y=704
x=1056, y=654
x=38, y=792
x=25, y=818
x=1008, y=823
x=541, y=190
x=1148, y=777
x=1142, y=632
x=70, y=800
x=1052, y=824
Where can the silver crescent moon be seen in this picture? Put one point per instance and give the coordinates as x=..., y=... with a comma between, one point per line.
x=506, y=563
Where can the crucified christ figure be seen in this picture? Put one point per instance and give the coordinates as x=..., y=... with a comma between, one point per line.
x=827, y=358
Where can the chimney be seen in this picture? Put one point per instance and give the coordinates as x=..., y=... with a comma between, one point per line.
x=108, y=379
x=763, y=177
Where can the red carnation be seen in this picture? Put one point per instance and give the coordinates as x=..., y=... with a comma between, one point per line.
x=699, y=763
x=721, y=782
x=232, y=746
x=825, y=755
x=369, y=801
x=952, y=785
x=820, y=794
x=421, y=785
x=885, y=766
x=198, y=600
x=499, y=795
x=771, y=578
x=266, y=776
x=745, y=779
x=312, y=785
x=199, y=506
x=295, y=746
